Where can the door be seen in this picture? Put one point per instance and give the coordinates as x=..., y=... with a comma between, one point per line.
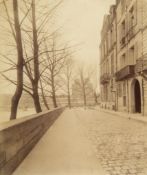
x=137, y=95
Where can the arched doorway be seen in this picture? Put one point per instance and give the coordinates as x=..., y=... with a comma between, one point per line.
x=137, y=96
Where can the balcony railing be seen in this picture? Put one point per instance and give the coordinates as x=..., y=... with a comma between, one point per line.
x=141, y=65
x=125, y=72
x=105, y=78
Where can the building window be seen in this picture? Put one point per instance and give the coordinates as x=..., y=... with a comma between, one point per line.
x=112, y=64
x=131, y=56
x=124, y=101
x=122, y=33
x=124, y=89
x=132, y=17
x=112, y=36
x=123, y=28
x=124, y=94
x=119, y=90
x=123, y=61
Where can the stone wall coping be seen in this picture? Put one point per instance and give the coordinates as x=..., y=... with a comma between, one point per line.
x=12, y=123
x=18, y=137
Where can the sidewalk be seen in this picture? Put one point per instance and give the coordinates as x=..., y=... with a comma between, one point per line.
x=130, y=116
x=63, y=150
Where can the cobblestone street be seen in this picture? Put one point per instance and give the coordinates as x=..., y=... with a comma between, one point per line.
x=89, y=142
x=120, y=143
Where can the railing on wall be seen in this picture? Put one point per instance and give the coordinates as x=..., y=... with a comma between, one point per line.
x=125, y=72
x=141, y=65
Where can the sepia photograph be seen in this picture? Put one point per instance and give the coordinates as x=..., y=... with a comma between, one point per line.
x=73, y=87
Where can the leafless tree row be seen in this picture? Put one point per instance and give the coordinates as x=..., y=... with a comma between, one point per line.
x=44, y=66
x=30, y=35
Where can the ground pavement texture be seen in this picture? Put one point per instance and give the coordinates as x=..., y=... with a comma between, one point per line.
x=63, y=150
x=89, y=142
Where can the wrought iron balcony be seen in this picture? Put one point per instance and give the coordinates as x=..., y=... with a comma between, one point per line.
x=105, y=78
x=125, y=72
x=141, y=66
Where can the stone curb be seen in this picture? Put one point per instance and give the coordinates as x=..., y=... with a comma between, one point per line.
x=126, y=115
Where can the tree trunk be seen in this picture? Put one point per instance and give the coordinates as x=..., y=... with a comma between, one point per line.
x=36, y=60
x=69, y=99
x=54, y=100
x=54, y=93
x=84, y=97
x=19, y=87
x=83, y=89
x=36, y=99
x=43, y=97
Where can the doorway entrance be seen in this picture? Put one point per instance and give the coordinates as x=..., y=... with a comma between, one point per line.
x=137, y=96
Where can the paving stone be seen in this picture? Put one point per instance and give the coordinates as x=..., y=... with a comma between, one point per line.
x=121, y=144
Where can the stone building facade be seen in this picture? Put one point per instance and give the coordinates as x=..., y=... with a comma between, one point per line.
x=124, y=57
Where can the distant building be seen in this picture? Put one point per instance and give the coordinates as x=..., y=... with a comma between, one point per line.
x=124, y=57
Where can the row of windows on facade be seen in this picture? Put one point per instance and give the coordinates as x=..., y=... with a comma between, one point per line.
x=126, y=26
x=108, y=43
x=129, y=22
x=127, y=58
x=108, y=95
x=108, y=66
x=107, y=91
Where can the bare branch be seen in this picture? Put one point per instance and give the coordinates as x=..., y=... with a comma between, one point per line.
x=9, y=19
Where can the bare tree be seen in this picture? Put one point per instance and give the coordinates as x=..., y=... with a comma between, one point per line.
x=44, y=95
x=67, y=78
x=34, y=30
x=16, y=32
x=35, y=81
x=83, y=82
x=19, y=87
x=38, y=37
x=54, y=63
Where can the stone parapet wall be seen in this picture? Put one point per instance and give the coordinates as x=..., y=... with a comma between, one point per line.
x=18, y=137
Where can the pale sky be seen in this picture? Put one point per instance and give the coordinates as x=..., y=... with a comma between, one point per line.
x=81, y=22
